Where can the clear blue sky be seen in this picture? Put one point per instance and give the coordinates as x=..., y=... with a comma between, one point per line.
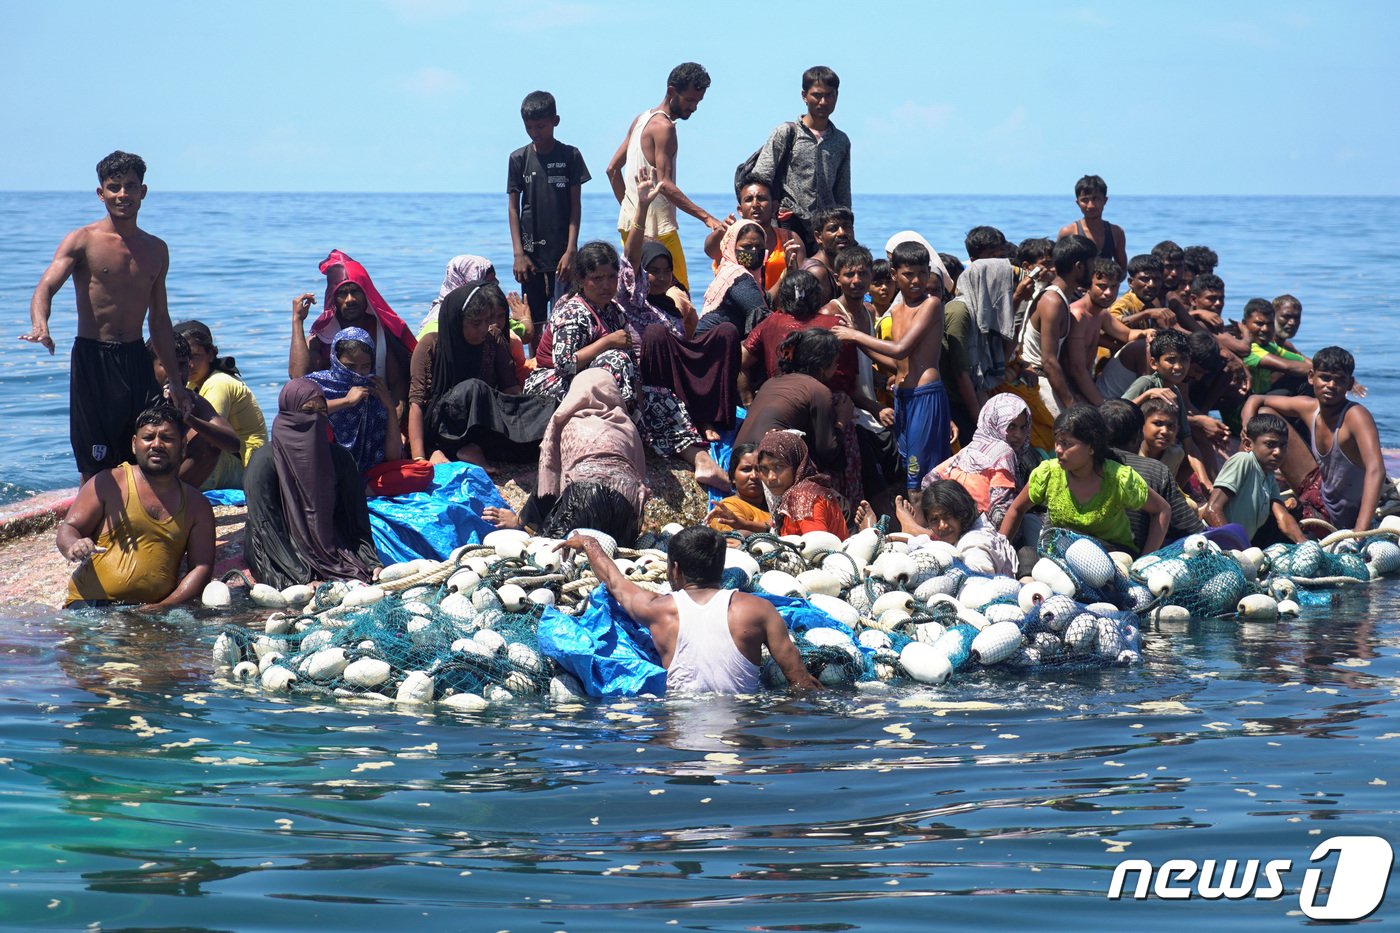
x=423, y=95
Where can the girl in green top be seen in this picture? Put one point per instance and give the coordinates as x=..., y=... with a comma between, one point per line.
x=1084, y=491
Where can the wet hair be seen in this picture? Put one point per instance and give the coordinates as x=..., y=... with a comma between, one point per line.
x=160, y=413
x=833, y=214
x=1168, y=341
x=197, y=332
x=1086, y=425
x=486, y=300
x=982, y=240
x=854, y=255
x=1204, y=350
x=1334, y=360
x=1167, y=251
x=538, y=105
x=810, y=351
x=1160, y=406
x=698, y=553
x=739, y=452
x=590, y=258
x=880, y=271
x=1145, y=262
x=688, y=76
x=800, y=295
x=182, y=347
x=819, y=74
x=1287, y=301
x=1034, y=249
x=909, y=253
x=953, y=265
x=1071, y=250
x=1258, y=306
x=1266, y=423
x=1090, y=184
x=1206, y=281
x=1200, y=259
x=593, y=505
x=949, y=496
x=119, y=163
x=1124, y=421
x=1107, y=268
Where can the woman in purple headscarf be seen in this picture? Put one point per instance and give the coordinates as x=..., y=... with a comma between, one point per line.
x=362, y=413
x=307, y=519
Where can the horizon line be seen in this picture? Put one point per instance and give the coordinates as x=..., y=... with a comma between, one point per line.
x=707, y=194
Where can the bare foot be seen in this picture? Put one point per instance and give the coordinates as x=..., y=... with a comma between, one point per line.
x=708, y=432
x=910, y=521
x=501, y=518
x=709, y=473
x=865, y=515
x=471, y=453
x=438, y=457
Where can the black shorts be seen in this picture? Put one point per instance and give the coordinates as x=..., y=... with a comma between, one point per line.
x=542, y=288
x=109, y=385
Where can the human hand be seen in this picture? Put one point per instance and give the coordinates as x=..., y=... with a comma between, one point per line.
x=180, y=397
x=1165, y=395
x=522, y=268
x=357, y=394
x=649, y=186
x=1210, y=319
x=887, y=417
x=1162, y=317
x=1214, y=429
x=843, y=332
x=721, y=513
x=713, y=222
x=1358, y=390
x=794, y=250
x=374, y=574
x=39, y=334
x=301, y=306
x=565, y=269
x=381, y=391
x=520, y=311
x=576, y=543
x=83, y=549
x=501, y=518
x=618, y=340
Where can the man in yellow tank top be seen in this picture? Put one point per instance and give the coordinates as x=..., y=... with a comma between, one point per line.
x=130, y=527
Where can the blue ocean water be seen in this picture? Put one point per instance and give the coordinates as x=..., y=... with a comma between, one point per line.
x=238, y=259
x=139, y=793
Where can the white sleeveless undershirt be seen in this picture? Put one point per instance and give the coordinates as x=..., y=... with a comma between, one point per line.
x=661, y=214
x=706, y=659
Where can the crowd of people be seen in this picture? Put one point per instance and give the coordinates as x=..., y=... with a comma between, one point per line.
x=815, y=385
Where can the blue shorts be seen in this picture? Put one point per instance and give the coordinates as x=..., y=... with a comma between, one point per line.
x=921, y=430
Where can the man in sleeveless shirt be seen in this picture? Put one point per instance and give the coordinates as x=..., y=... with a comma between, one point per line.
x=130, y=527
x=651, y=140
x=710, y=639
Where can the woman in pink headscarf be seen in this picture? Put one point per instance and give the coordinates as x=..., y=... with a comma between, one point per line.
x=736, y=295
x=352, y=301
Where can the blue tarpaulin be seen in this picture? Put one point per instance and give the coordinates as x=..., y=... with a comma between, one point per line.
x=436, y=522
x=613, y=656
x=225, y=497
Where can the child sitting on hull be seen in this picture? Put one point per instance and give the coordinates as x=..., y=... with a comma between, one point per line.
x=710, y=640
x=1246, y=492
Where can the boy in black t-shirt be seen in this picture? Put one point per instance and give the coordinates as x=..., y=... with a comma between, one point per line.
x=542, y=189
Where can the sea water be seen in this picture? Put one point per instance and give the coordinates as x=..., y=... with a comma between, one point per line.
x=138, y=792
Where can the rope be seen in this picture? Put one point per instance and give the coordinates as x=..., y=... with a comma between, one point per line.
x=1325, y=581
x=1336, y=537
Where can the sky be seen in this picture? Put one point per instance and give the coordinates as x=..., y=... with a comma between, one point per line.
x=1175, y=98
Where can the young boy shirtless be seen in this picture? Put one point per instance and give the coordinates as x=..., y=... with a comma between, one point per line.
x=119, y=274
x=920, y=402
x=1091, y=195
x=1344, y=483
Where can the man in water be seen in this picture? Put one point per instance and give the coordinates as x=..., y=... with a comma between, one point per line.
x=129, y=528
x=710, y=639
x=119, y=274
x=651, y=140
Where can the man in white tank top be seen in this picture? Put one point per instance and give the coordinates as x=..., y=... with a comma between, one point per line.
x=710, y=639
x=651, y=140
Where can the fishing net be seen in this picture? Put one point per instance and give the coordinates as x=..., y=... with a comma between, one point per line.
x=1195, y=575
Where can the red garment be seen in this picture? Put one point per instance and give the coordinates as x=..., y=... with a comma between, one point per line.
x=338, y=269
x=769, y=334
x=399, y=477
x=826, y=516
x=810, y=497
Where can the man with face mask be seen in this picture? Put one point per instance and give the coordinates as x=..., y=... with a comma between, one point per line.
x=130, y=527
x=709, y=639
x=352, y=301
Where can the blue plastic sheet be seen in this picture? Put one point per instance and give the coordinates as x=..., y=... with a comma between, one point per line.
x=613, y=656
x=436, y=522
x=225, y=497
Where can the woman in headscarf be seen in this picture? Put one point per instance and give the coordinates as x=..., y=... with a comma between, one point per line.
x=799, y=398
x=597, y=328
x=736, y=295
x=997, y=462
x=592, y=467
x=465, y=397
x=361, y=412
x=307, y=519
x=784, y=247
x=460, y=270
x=351, y=301
x=800, y=498
x=701, y=370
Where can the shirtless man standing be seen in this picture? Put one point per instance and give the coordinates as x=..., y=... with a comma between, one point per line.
x=129, y=528
x=119, y=274
x=710, y=639
x=651, y=140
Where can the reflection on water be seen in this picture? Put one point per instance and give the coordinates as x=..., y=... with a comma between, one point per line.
x=142, y=794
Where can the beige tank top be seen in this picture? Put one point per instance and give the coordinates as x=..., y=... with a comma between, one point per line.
x=661, y=214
